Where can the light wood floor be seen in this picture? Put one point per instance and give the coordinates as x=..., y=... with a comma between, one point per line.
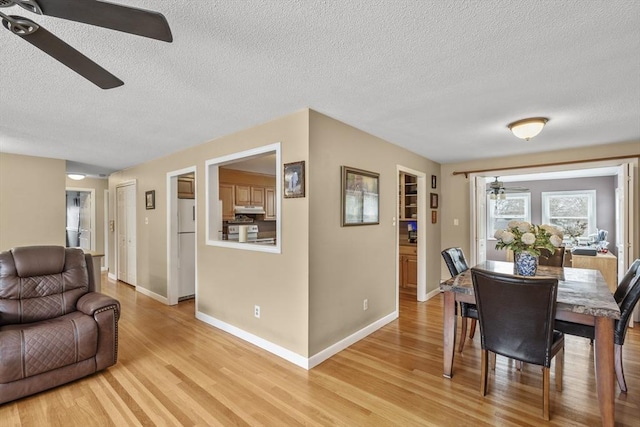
x=175, y=370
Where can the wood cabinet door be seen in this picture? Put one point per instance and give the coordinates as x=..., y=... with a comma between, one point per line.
x=257, y=196
x=227, y=198
x=411, y=271
x=270, y=203
x=186, y=188
x=243, y=195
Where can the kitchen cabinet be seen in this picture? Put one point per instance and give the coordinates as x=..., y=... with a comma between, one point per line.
x=408, y=266
x=226, y=195
x=246, y=195
x=270, y=203
x=408, y=194
x=186, y=188
x=606, y=263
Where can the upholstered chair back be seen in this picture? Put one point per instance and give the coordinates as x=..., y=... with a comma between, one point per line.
x=42, y=282
x=455, y=260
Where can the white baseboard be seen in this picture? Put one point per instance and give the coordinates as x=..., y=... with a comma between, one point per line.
x=290, y=356
x=433, y=293
x=152, y=295
x=112, y=276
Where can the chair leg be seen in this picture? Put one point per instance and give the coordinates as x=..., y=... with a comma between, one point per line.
x=619, y=371
x=545, y=393
x=472, y=332
x=559, y=369
x=463, y=334
x=484, y=373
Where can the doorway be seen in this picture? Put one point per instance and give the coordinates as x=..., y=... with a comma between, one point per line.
x=412, y=211
x=80, y=218
x=181, y=236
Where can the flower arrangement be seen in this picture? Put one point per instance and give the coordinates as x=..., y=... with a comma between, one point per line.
x=521, y=236
x=575, y=229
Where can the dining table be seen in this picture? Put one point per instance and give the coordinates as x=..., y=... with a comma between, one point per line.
x=583, y=297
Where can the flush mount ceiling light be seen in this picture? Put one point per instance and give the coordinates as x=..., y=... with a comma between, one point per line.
x=528, y=128
x=76, y=176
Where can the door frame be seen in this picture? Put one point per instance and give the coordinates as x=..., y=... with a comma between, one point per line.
x=421, y=253
x=172, y=233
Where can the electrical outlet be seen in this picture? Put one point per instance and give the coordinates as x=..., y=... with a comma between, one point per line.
x=365, y=304
x=256, y=311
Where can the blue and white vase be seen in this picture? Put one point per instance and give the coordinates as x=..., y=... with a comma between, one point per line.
x=525, y=264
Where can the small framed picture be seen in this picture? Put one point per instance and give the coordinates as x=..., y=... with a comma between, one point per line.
x=434, y=217
x=294, y=180
x=434, y=181
x=150, y=197
x=433, y=197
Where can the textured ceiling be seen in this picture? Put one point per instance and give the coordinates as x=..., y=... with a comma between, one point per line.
x=440, y=78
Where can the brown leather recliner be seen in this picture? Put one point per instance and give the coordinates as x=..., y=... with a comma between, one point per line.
x=53, y=328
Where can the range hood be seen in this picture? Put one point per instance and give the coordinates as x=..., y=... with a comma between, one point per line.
x=249, y=210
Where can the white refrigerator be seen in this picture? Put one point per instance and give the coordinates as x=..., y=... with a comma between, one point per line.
x=186, y=248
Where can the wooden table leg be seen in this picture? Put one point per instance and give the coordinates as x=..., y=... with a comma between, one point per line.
x=449, y=333
x=604, y=366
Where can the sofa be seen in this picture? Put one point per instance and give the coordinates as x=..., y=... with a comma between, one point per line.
x=53, y=327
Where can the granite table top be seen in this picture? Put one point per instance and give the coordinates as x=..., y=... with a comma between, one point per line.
x=580, y=290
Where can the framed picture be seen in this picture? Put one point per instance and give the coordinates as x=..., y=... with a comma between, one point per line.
x=294, y=180
x=434, y=181
x=360, y=197
x=434, y=200
x=434, y=217
x=150, y=197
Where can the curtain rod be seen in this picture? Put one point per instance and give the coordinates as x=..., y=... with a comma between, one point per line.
x=466, y=173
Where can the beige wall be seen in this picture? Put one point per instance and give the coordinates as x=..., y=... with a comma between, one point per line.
x=349, y=264
x=32, y=201
x=455, y=198
x=230, y=281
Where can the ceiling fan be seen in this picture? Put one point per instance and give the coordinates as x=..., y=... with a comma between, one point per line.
x=497, y=190
x=93, y=12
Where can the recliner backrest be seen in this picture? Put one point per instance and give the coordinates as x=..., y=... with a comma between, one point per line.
x=455, y=260
x=41, y=282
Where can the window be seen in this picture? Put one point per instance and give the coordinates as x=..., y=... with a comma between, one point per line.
x=566, y=208
x=242, y=204
x=515, y=207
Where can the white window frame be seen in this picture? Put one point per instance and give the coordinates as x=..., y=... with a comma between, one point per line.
x=213, y=207
x=591, y=214
x=490, y=211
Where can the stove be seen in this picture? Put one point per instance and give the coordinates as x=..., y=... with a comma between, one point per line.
x=234, y=235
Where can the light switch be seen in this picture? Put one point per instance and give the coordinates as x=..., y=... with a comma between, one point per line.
x=146, y=220
x=455, y=221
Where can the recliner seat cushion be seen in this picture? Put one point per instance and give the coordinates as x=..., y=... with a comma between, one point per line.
x=30, y=349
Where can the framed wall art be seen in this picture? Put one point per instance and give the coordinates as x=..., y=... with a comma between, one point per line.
x=294, y=180
x=360, y=197
x=434, y=217
x=434, y=181
x=150, y=198
x=433, y=197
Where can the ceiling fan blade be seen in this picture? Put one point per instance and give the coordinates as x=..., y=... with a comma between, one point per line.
x=58, y=49
x=109, y=15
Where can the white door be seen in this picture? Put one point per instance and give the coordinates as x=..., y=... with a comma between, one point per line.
x=126, y=232
x=480, y=232
x=624, y=226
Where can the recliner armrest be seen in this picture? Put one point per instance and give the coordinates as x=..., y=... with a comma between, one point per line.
x=94, y=301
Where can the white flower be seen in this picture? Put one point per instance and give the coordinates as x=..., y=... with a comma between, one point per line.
x=528, y=238
x=498, y=234
x=507, y=237
x=524, y=227
x=513, y=224
x=555, y=240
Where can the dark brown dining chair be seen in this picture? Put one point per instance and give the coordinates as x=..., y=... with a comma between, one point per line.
x=517, y=317
x=456, y=263
x=626, y=295
x=553, y=259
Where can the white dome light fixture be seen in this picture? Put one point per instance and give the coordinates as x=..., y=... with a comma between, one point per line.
x=76, y=176
x=527, y=128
